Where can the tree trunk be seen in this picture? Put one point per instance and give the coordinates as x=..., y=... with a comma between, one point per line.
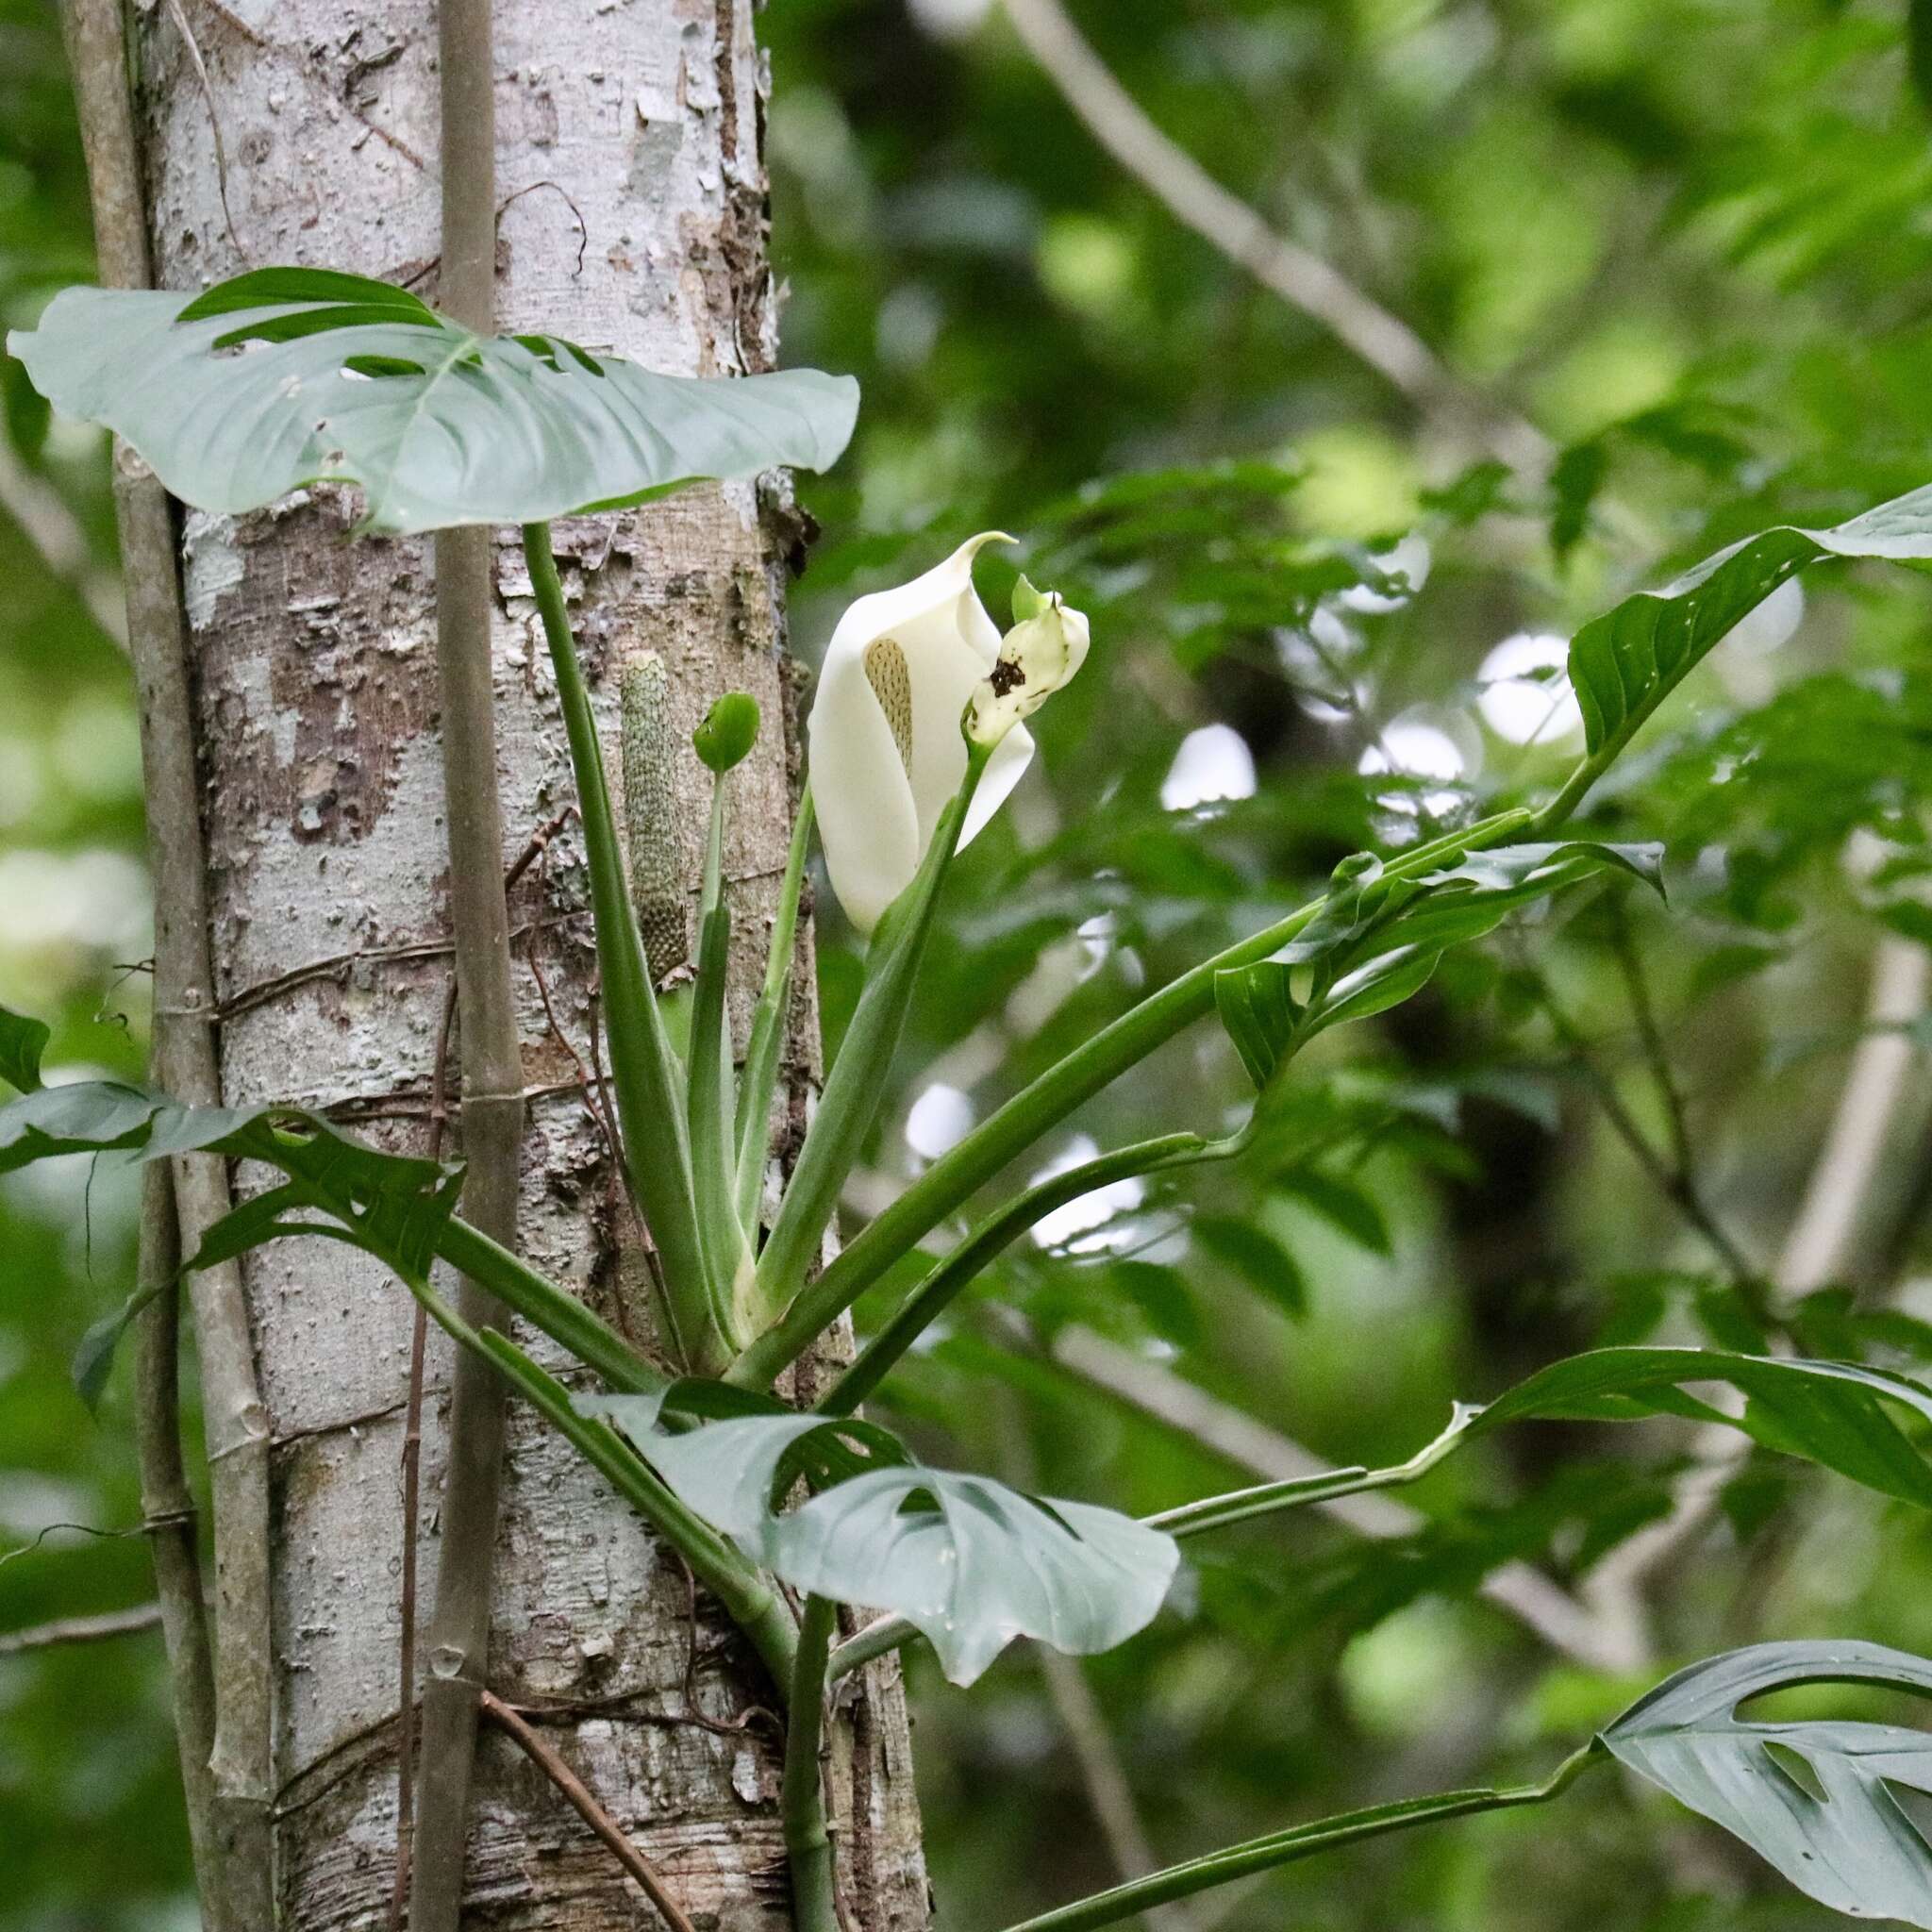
x=633, y=219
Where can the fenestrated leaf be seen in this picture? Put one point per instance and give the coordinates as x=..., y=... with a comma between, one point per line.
x=970, y=1562
x=285, y=377
x=22, y=1042
x=974, y=1564
x=1831, y=1413
x=1625, y=663
x=1816, y=1799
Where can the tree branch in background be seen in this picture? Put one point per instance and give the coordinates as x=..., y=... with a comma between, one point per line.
x=1301, y=279
x=1598, y=1641
x=57, y=538
x=1820, y=1246
x=492, y=1114
x=236, y=1423
x=90, y=1630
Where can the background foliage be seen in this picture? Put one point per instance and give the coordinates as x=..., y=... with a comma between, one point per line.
x=1687, y=240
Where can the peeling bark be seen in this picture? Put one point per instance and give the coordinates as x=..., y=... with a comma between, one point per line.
x=629, y=154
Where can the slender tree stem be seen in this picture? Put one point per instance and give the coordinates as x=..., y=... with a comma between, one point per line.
x=807, y=1839
x=952, y=1179
x=491, y=1115
x=168, y=1513
x=184, y=1060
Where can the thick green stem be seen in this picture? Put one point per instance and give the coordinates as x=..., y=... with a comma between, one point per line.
x=541, y=1303
x=851, y=1097
x=951, y=1180
x=650, y=1101
x=808, y=1841
x=760, y=1077
x=709, y=1099
x=1300, y=1842
x=933, y=1296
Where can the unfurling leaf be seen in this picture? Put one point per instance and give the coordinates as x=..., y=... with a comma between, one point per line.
x=970, y=1562
x=1259, y=1012
x=1819, y=1798
x=287, y=376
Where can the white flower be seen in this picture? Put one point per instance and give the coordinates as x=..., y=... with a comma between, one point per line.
x=887, y=751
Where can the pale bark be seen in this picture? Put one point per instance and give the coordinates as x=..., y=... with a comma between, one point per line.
x=634, y=128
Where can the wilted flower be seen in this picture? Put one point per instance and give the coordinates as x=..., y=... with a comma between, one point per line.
x=1046, y=646
x=887, y=751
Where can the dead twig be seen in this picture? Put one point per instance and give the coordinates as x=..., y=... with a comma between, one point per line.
x=579, y=1796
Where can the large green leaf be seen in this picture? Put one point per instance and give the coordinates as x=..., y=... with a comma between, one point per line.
x=287, y=376
x=22, y=1042
x=970, y=1562
x=1625, y=663
x=1832, y=1412
x=1817, y=1799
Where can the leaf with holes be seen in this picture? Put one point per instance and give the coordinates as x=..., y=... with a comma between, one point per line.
x=287, y=376
x=1817, y=1799
x=970, y=1562
x=1624, y=664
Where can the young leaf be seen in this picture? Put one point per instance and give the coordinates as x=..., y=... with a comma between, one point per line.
x=22, y=1043
x=1625, y=663
x=1815, y=1798
x=287, y=376
x=1260, y=1013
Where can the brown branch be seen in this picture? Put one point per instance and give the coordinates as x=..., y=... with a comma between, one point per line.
x=491, y=1058
x=588, y=1808
x=184, y=1059
x=82, y=1630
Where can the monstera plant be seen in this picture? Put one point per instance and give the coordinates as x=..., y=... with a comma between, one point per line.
x=284, y=378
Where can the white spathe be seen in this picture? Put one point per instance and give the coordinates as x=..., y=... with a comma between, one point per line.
x=887, y=749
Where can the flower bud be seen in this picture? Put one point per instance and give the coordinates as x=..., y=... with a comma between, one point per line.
x=729, y=731
x=1038, y=656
